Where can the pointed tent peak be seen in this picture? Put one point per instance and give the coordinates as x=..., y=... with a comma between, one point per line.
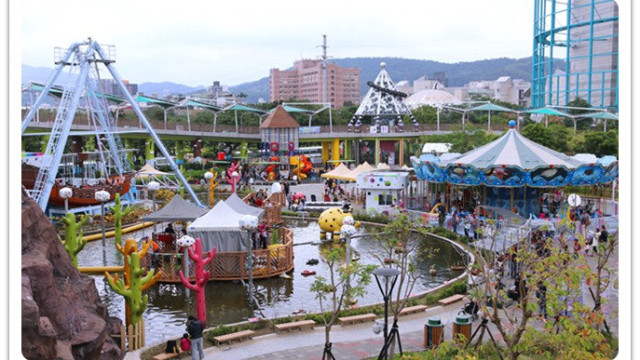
x=383, y=64
x=383, y=97
x=279, y=118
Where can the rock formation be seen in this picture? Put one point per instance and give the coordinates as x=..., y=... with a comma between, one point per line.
x=62, y=317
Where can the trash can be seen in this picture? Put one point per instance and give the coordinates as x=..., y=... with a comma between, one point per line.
x=433, y=332
x=462, y=325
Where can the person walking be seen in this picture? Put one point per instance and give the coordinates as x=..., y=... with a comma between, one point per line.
x=195, y=329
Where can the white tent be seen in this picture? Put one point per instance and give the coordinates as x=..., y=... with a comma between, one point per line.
x=220, y=228
x=147, y=170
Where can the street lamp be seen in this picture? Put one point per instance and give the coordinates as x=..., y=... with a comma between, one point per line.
x=153, y=186
x=209, y=176
x=103, y=197
x=185, y=243
x=249, y=223
x=388, y=277
x=66, y=193
x=234, y=178
x=347, y=231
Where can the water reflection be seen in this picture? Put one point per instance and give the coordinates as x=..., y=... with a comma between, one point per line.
x=228, y=302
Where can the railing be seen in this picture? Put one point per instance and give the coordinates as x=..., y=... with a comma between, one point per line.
x=230, y=265
x=272, y=214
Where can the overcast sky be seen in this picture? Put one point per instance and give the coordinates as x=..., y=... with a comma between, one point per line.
x=197, y=42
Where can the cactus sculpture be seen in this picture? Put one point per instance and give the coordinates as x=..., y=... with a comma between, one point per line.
x=138, y=282
x=202, y=276
x=213, y=184
x=73, y=242
x=118, y=213
x=230, y=179
x=130, y=247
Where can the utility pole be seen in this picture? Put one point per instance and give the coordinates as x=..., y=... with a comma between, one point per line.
x=324, y=68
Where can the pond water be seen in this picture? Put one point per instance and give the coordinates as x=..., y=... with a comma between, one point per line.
x=228, y=302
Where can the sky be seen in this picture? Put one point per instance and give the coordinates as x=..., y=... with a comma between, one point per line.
x=197, y=42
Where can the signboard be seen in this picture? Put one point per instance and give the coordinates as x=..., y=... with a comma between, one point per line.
x=309, y=130
x=384, y=129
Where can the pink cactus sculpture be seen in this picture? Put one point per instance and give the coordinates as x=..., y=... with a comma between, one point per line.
x=202, y=276
x=232, y=179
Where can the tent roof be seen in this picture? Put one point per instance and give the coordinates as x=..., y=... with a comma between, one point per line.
x=513, y=149
x=382, y=166
x=492, y=107
x=147, y=169
x=352, y=175
x=338, y=173
x=57, y=91
x=279, y=118
x=176, y=210
x=221, y=218
x=293, y=109
x=240, y=206
x=548, y=111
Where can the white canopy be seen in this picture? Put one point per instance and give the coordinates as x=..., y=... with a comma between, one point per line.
x=353, y=174
x=149, y=171
x=220, y=228
x=337, y=173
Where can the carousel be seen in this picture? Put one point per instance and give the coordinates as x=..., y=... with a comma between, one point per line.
x=512, y=173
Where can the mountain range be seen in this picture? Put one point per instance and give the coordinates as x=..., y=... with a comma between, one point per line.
x=457, y=74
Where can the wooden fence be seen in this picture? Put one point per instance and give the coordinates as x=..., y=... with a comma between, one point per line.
x=131, y=335
x=230, y=265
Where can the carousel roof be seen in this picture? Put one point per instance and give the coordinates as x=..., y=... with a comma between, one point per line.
x=279, y=118
x=514, y=161
x=514, y=150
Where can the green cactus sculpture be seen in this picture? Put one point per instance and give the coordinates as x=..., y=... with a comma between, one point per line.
x=138, y=282
x=73, y=242
x=118, y=213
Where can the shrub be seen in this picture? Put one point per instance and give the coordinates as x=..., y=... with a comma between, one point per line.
x=371, y=216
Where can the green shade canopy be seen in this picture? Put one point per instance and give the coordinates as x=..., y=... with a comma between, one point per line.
x=147, y=99
x=548, y=111
x=293, y=109
x=492, y=107
x=238, y=107
x=599, y=115
x=58, y=91
x=196, y=103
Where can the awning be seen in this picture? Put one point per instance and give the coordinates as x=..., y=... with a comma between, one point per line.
x=147, y=99
x=548, y=111
x=239, y=107
x=492, y=107
x=599, y=115
x=196, y=103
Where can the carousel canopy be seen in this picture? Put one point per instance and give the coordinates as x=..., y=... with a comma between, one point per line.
x=515, y=161
x=240, y=206
x=176, y=210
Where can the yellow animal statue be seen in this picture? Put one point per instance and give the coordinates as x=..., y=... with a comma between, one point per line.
x=330, y=221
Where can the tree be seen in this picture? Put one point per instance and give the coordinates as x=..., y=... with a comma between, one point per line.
x=549, y=282
x=400, y=252
x=335, y=289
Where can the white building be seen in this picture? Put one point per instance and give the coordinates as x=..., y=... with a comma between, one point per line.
x=385, y=191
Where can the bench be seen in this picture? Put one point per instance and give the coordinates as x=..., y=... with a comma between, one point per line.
x=347, y=320
x=165, y=356
x=300, y=325
x=451, y=299
x=236, y=336
x=413, y=309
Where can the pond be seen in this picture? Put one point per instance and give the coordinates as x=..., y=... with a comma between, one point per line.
x=228, y=302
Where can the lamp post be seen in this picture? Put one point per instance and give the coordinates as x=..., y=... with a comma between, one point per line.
x=185, y=243
x=388, y=277
x=249, y=223
x=347, y=231
x=153, y=187
x=209, y=177
x=234, y=178
x=103, y=197
x=66, y=193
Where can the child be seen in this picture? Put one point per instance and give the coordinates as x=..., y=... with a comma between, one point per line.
x=185, y=343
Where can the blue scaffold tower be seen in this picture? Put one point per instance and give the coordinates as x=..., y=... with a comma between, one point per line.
x=575, y=53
